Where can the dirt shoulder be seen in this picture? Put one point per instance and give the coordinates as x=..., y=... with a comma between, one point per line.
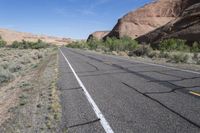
x=30, y=103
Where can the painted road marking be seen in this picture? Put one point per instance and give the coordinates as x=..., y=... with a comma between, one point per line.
x=97, y=111
x=195, y=93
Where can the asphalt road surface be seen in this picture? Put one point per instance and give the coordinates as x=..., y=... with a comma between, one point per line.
x=101, y=93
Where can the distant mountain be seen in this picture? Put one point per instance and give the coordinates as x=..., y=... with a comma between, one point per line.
x=186, y=26
x=10, y=36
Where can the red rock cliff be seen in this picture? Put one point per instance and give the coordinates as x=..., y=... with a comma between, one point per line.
x=149, y=17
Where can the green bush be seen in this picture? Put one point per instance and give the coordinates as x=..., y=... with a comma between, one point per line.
x=93, y=43
x=122, y=44
x=170, y=45
x=29, y=45
x=2, y=42
x=39, y=44
x=77, y=44
x=195, y=47
x=110, y=44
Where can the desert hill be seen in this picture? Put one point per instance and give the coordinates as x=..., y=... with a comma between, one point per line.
x=10, y=36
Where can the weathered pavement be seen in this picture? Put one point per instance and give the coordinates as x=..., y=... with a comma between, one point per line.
x=132, y=96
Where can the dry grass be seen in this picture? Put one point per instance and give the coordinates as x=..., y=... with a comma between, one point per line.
x=28, y=90
x=14, y=62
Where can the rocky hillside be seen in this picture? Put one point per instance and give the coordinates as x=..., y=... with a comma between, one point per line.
x=98, y=35
x=187, y=27
x=10, y=36
x=149, y=17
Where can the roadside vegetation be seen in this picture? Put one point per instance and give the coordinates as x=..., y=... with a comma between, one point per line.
x=29, y=96
x=172, y=50
x=29, y=45
x=20, y=57
x=2, y=42
x=15, y=62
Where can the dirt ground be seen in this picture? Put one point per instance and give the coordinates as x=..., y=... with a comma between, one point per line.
x=30, y=103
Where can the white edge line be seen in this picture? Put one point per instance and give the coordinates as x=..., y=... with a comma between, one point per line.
x=97, y=111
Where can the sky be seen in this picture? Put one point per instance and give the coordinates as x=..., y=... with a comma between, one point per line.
x=65, y=18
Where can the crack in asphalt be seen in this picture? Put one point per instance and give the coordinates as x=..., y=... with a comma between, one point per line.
x=167, y=84
x=75, y=88
x=93, y=65
x=86, y=123
x=181, y=79
x=163, y=92
x=163, y=105
x=100, y=74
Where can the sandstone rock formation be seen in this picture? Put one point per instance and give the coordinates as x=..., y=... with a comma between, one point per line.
x=10, y=36
x=149, y=17
x=186, y=26
x=98, y=35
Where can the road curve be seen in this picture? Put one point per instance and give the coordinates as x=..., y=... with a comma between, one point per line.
x=132, y=97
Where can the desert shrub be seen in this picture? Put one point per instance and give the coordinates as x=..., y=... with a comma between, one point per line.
x=2, y=42
x=5, y=75
x=39, y=44
x=163, y=54
x=173, y=45
x=109, y=43
x=15, y=44
x=29, y=45
x=195, y=47
x=77, y=44
x=4, y=64
x=126, y=43
x=25, y=60
x=143, y=50
x=196, y=57
x=154, y=54
x=36, y=55
x=93, y=43
x=180, y=58
x=14, y=67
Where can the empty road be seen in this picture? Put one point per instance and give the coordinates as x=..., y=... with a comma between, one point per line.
x=105, y=94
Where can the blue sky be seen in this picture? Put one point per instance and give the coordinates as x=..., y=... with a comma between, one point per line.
x=65, y=18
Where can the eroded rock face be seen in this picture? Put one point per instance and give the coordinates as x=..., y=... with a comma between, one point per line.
x=10, y=36
x=149, y=18
x=98, y=35
x=186, y=26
